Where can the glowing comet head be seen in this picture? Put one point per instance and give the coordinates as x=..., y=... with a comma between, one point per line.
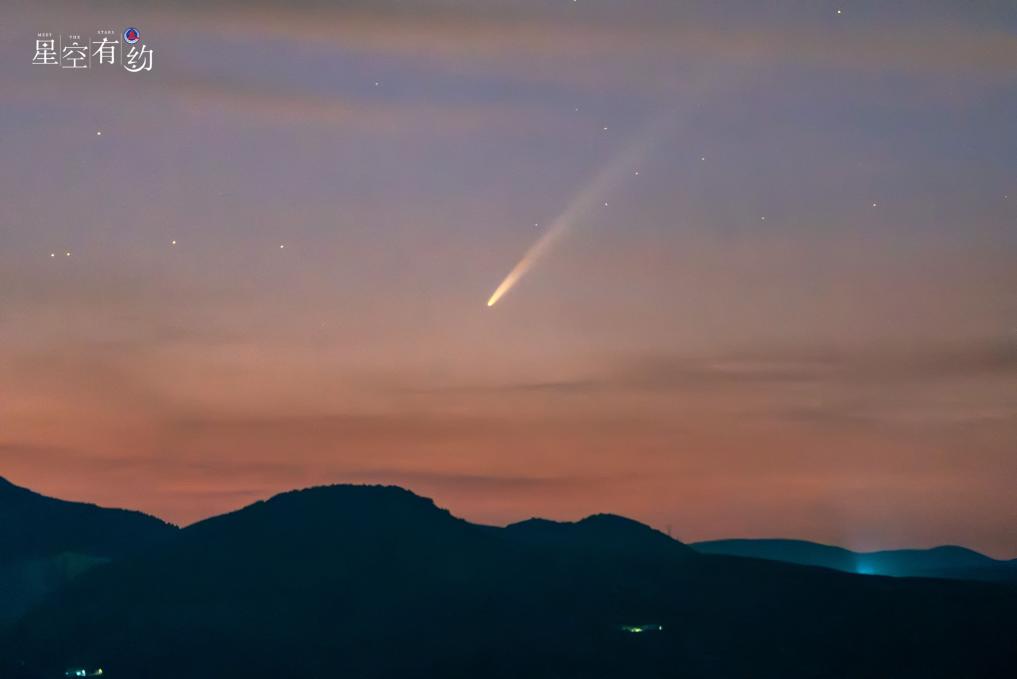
x=531, y=256
x=511, y=279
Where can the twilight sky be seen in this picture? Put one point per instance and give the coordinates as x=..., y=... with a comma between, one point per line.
x=790, y=311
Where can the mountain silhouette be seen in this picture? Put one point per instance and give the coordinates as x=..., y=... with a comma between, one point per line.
x=373, y=581
x=45, y=542
x=33, y=525
x=600, y=535
x=938, y=562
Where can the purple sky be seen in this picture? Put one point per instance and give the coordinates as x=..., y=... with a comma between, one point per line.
x=799, y=319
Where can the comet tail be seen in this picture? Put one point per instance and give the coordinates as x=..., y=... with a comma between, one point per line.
x=580, y=205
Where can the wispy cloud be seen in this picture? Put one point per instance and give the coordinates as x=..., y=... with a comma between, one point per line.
x=892, y=364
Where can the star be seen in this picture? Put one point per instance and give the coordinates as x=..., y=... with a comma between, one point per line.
x=605, y=204
x=173, y=242
x=840, y=11
x=637, y=173
x=702, y=158
x=98, y=133
x=874, y=204
x=67, y=254
x=52, y=254
x=282, y=246
x=605, y=128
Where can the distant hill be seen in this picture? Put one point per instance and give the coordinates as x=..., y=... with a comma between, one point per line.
x=45, y=542
x=371, y=581
x=938, y=562
x=600, y=534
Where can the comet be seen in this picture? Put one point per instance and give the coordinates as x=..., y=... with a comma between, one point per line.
x=582, y=204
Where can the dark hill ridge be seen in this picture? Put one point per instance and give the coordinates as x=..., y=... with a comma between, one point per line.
x=33, y=525
x=939, y=562
x=599, y=534
x=378, y=582
x=358, y=508
x=45, y=543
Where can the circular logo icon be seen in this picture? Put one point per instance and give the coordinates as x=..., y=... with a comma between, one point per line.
x=131, y=35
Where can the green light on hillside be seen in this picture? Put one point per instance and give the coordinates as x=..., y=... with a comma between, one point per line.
x=639, y=629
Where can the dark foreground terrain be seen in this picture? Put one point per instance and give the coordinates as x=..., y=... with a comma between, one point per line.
x=355, y=581
x=45, y=543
